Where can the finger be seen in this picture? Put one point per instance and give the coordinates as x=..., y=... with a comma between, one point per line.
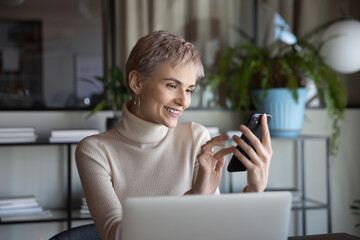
x=254, y=140
x=205, y=153
x=219, y=165
x=247, y=132
x=258, y=156
x=223, y=152
x=220, y=137
x=208, y=158
x=216, y=141
x=266, y=140
x=244, y=160
x=247, y=149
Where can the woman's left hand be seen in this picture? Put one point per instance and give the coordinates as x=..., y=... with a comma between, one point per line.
x=259, y=163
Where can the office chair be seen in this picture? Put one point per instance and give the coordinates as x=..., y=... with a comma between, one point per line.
x=85, y=232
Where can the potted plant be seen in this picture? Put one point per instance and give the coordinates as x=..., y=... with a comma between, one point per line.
x=245, y=69
x=115, y=95
x=355, y=206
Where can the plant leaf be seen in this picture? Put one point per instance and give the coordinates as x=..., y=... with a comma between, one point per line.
x=101, y=105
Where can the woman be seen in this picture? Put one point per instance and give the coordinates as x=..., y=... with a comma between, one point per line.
x=148, y=153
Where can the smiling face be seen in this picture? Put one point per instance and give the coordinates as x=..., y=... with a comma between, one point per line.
x=164, y=95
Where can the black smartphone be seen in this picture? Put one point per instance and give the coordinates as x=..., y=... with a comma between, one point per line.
x=254, y=124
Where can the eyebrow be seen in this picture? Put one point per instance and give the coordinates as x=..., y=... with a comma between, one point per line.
x=178, y=82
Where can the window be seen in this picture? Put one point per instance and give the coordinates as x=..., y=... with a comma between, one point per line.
x=49, y=54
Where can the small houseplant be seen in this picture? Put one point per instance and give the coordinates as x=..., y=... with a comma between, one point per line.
x=115, y=94
x=355, y=206
x=247, y=67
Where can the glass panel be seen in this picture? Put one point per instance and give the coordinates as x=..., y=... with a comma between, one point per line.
x=49, y=54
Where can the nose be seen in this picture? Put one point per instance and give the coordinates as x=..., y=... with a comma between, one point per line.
x=183, y=99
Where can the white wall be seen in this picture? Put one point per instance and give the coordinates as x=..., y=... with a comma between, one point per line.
x=22, y=165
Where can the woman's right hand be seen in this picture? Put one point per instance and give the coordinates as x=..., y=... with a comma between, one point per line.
x=210, y=166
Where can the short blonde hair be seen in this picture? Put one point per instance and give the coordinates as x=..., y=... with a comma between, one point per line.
x=160, y=47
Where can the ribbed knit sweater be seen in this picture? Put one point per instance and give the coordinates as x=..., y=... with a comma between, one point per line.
x=134, y=159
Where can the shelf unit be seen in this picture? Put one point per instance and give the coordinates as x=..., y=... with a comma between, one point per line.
x=307, y=203
x=63, y=215
x=69, y=214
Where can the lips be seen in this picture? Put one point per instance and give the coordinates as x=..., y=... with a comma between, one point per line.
x=173, y=112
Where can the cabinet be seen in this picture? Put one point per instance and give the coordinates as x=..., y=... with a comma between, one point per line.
x=303, y=180
x=67, y=214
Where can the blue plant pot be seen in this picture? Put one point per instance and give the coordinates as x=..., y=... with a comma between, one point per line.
x=287, y=114
x=112, y=122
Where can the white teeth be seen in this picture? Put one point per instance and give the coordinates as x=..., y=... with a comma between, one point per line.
x=173, y=111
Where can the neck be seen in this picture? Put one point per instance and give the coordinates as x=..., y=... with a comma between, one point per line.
x=139, y=130
x=132, y=108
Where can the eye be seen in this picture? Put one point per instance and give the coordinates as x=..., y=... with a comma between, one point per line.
x=170, y=85
x=190, y=91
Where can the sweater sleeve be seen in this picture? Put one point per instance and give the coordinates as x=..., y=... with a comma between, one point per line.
x=201, y=136
x=95, y=175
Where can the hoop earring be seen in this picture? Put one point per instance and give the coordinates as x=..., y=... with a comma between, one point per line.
x=137, y=103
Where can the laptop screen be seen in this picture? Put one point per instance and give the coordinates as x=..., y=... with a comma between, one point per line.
x=208, y=217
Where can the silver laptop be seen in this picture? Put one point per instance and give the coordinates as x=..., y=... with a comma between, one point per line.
x=244, y=216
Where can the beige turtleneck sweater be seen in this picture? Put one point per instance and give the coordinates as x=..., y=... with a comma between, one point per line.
x=136, y=158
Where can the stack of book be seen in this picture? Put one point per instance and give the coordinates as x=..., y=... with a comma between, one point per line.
x=71, y=135
x=84, y=210
x=17, y=134
x=21, y=208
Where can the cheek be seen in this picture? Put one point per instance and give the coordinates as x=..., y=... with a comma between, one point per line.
x=156, y=97
x=163, y=96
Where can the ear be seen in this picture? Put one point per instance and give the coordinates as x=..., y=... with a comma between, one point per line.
x=135, y=82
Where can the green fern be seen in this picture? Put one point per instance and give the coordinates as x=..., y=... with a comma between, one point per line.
x=246, y=67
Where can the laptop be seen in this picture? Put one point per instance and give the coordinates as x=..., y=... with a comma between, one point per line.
x=248, y=216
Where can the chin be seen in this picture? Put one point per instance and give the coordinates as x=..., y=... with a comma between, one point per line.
x=171, y=124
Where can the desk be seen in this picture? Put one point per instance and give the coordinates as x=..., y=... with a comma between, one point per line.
x=333, y=236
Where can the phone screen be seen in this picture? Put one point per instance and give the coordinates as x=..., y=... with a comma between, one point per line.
x=254, y=124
